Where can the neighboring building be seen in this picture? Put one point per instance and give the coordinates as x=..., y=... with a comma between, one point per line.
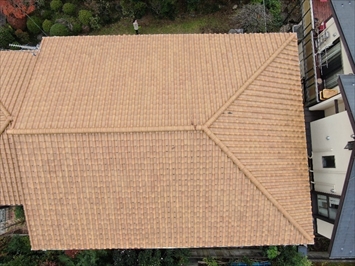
x=156, y=141
x=332, y=50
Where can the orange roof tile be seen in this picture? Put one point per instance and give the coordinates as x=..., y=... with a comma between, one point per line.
x=15, y=71
x=164, y=141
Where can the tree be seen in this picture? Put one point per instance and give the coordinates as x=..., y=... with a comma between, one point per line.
x=16, y=11
x=254, y=18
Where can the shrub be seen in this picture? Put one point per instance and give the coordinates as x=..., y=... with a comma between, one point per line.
x=46, y=14
x=34, y=24
x=56, y=5
x=46, y=25
x=69, y=8
x=163, y=8
x=74, y=25
x=139, y=9
x=6, y=37
x=59, y=29
x=289, y=256
x=95, y=23
x=19, y=213
x=272, y=252
x=84, y=17
x=22, y=36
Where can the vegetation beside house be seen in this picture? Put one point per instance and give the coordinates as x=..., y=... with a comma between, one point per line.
x=29, y=21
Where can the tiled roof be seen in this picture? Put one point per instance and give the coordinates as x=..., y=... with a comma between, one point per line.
x=165, y=141
x=15, y=71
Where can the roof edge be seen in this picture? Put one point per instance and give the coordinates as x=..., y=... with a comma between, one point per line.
x=350, y=166
x=342, y=36
x=101, y=130
x=253, y=179
x=214, y=117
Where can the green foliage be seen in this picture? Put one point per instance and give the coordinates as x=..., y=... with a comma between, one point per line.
x=69, y=8
x=6, y=37
x=192, y=5
x=56, y=5
x=22, y=36
x=95, y=23
x=46, y=25
x=210, y=261
x=84, y=17
x=34, y=24
x=163, y=257
x=46, y=14
x=163, y=8
x=19, y=213
x=149, y=257
x=19, y=260
x=139, y=9
x=19, y=245
x=74, y=25
x=87, y=257
x=272, y=252
x=15, y=48
x=59, y=29
x=274, y=8
x=289, y=256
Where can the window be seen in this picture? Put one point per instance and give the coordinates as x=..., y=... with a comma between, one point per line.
x=328, y=161
x=331, y=65
x=327, y=206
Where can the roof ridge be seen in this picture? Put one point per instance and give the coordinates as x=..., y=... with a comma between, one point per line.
x=4, y=110
x=254, y=180
x=214, y=117
x=102, y=130
x=7, y=115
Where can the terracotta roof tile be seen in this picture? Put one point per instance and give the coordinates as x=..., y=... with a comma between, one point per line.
x=129, y=81
x=15, y=71
x=177, y=189
x=164, y=141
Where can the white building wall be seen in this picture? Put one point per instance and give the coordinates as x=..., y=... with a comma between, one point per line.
x=329, y=137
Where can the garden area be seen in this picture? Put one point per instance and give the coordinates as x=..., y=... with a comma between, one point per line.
x=27, y=21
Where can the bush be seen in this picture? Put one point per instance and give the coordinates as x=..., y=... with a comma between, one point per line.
x=46, y=14
x=19, y=213
x=6, y=37
x=46, y=25
x=84, y=17
x=34, y=24
x=192, y=5
x=139, y=9
x=69, y=8
x=95, y=23
x=56, y=5
x=22, y=36
x=289, y=256
x=163, y=8
x=59, y=29
x=73, y=24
